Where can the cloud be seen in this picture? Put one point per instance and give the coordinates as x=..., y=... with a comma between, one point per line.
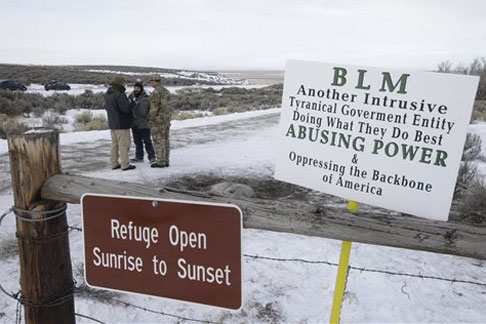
x=241, y=34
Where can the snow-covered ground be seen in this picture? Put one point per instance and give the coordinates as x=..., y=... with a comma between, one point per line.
x=77, y=89
x=189, y=75
x=274, y=291
x=222, y=80
x=92, y=136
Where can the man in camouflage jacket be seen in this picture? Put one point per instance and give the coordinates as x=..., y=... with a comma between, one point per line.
x=159, y=117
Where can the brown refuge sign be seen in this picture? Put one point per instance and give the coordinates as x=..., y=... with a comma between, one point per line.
x=188, y=251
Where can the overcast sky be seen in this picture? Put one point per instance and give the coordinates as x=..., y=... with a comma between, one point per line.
x=246, y=34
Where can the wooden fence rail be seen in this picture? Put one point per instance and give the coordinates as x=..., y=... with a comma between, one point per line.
x=301, y=218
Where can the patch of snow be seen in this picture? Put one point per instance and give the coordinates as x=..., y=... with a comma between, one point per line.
x=189, y=75
x=3, y=146
x=77, y=89
x=119, y=72
x=37, y=131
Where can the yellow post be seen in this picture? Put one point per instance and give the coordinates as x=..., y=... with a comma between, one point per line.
x=342, y=274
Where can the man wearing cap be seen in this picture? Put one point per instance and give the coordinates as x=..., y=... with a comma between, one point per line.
x=160, y=118
x=140, y=124
x=119, y=121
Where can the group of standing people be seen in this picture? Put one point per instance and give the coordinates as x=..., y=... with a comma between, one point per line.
x=147, y=116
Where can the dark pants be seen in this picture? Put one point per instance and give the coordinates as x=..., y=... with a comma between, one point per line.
x=143, y=136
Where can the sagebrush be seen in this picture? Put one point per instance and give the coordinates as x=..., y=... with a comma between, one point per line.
x=86, y=122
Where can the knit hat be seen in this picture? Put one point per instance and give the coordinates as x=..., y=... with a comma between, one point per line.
x=138, y=84
x=119, y=80
x=155, y=77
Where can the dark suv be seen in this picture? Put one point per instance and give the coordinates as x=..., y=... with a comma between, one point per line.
x=12, y=85
x=56, y=85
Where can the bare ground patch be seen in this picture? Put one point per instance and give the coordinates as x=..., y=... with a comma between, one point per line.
x=265, y=188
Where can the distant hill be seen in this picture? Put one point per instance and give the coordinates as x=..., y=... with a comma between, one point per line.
x=103, y=74
x=256, y=76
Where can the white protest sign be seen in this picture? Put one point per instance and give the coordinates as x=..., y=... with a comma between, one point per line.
x=385, y=137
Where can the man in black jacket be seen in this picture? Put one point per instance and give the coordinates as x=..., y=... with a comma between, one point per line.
x=140, y=124
x=119, y=121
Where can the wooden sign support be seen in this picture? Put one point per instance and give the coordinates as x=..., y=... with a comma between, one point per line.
x=342, y=275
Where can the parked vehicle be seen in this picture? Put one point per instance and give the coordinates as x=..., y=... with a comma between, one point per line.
x=12, y=85
x=56, y=85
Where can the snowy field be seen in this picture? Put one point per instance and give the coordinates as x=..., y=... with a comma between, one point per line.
x=77, y=89
x=188, y=75
x=93, y=136
x=287, y=290
x=220, y=79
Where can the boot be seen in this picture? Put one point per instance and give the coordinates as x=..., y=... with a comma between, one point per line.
x=159, y=165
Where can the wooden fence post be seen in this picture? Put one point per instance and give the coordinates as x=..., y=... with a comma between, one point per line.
x=46, y=276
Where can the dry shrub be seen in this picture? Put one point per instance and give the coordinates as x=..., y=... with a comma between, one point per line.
x=10, y=126
x=86, y=122
x=220, y=111
x=38, y=112
x=478, y=115
x=474, y=203
x=468, y=173
x=53, y=120
x=472, y=147
x=186, y=115
x=235, y=109
x=83, y=118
